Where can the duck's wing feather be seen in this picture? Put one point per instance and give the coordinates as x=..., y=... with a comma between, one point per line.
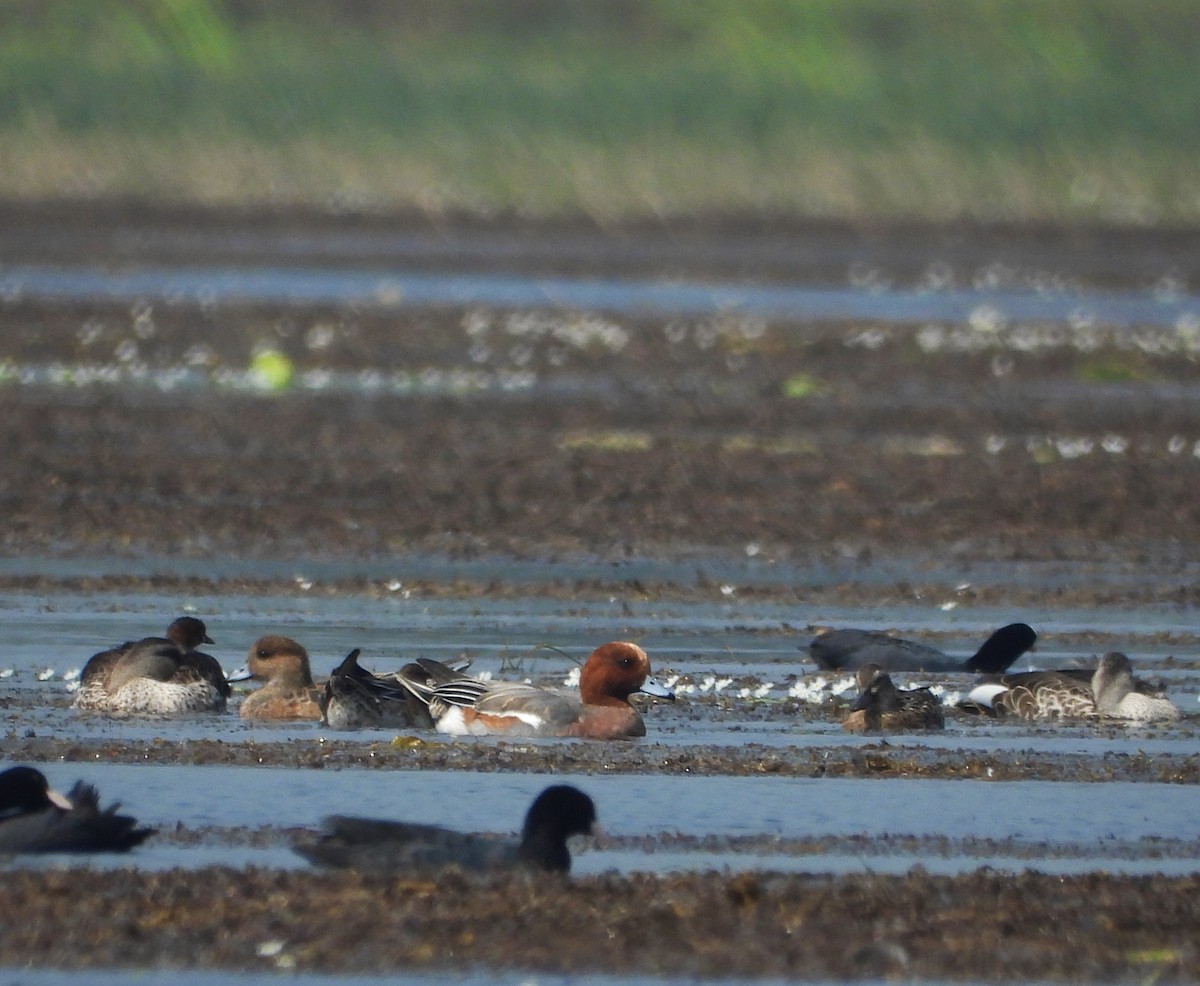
x=1035, y=694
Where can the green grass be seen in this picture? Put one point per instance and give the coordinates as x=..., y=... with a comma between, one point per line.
x=1071, y=110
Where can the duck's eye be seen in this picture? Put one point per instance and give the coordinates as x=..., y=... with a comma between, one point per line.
x=626, y=661
x=264, y=653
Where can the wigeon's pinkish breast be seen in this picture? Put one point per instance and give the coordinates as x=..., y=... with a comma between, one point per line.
x=466, y=706
x=156, y=675
x=288, y=690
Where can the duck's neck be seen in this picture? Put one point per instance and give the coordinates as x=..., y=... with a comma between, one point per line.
x=597, y=695
x=1108, y=689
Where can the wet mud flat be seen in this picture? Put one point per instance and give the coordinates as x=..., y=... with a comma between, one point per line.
x=987, y=925
x=544, y=431
x=881, y=465
x=859, y=472
x=875, y=760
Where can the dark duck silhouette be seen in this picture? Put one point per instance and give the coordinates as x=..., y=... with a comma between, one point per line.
x=34, y=818
x=851, y=649
x=373, y=845
x=356, y=698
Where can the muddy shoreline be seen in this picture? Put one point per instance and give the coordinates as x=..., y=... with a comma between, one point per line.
x=467, y=478
x=918, y=926
x=409, y=752
x=634, y=591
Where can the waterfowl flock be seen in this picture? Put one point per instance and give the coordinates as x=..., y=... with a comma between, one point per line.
x=169, y=675
x=165, y=676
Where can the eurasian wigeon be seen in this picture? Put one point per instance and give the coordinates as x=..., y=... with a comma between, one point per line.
x=156, y=675
x=374, y=846
x=849, y=649
x=466, y=706
x=1109, y=691
x=288, y=690
x=35, y=818
x=883, y=706
x=354, y=698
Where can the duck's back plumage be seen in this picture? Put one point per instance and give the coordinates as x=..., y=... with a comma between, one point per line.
x=355, y=698
x=852, y=649
x=1045, y=695
x=1109, y=691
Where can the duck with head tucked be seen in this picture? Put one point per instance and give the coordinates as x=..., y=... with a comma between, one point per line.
x=883, y=706
x=156, y=675
x=35, y=818
x=288, y=690
x=1121, y=696
x=1109, y=691
x=465, y=706
x=374, y=846
x=355, y=698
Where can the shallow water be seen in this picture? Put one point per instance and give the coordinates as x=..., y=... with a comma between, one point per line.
x=783, y=807
x=738, y=661
x=1031, y=814
x=694, y=643
x=389, y=289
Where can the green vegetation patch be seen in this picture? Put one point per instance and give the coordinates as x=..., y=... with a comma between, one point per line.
x=1009, y=108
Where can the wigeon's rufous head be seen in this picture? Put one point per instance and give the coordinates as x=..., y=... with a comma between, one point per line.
x=612, y=673
x=616, y=670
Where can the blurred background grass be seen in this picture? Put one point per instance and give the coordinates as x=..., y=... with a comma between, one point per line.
x=1076, y=110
